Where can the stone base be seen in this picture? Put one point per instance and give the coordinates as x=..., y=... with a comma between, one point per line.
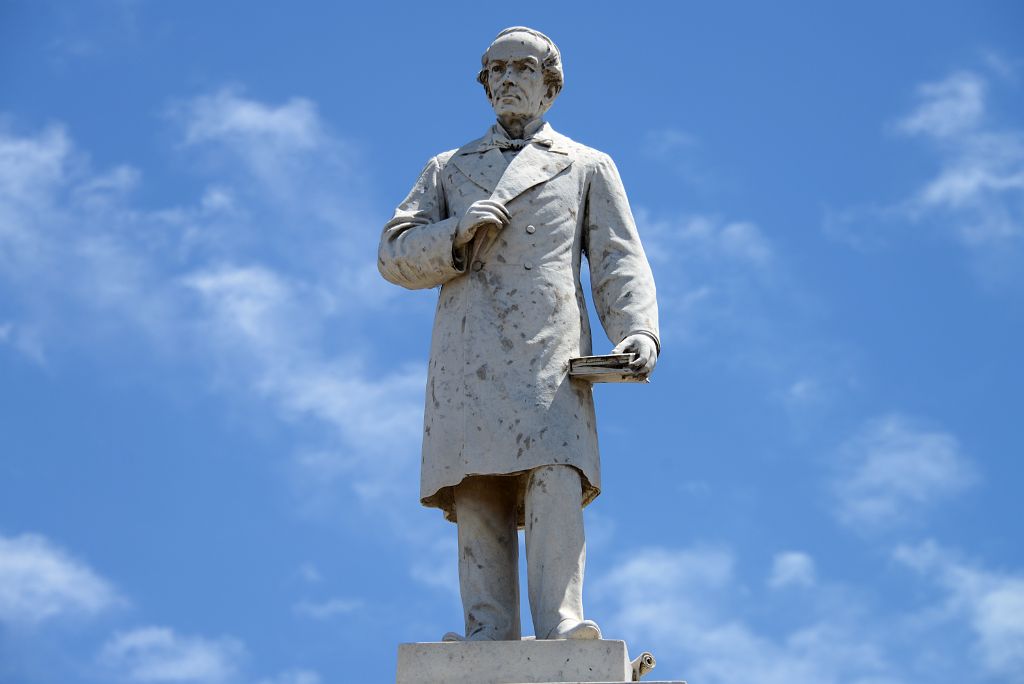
x=515, y=662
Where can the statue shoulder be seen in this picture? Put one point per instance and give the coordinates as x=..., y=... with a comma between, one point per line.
x=580, y=153
x=440, y=160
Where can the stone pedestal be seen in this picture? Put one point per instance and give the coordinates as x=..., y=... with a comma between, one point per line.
x=514, y=662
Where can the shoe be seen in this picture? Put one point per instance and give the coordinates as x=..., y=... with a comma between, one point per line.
x=570, y=629
x=455, y=636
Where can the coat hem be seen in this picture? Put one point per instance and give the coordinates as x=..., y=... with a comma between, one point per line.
x=444, y=498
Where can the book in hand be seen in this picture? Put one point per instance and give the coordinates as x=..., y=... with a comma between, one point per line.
x=607, y=368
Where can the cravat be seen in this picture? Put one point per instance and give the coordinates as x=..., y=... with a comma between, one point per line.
x=505, y=143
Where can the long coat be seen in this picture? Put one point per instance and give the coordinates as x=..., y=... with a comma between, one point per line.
x=511, y=310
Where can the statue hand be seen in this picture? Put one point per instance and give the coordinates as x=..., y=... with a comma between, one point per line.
x=645, y=350
x=481, y=213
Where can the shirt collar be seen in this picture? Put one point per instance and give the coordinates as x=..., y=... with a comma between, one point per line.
x=537, y=131
x=529, y=131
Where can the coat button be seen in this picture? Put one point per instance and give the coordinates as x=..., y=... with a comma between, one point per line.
x=527, y=265
x=531, y=229
x=477, y=265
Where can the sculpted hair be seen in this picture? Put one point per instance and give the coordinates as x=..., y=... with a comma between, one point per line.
x=551, y=65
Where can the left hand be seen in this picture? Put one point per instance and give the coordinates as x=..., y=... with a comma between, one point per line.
x=643, y=347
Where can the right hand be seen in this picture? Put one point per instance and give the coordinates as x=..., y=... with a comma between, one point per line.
x=485, y=212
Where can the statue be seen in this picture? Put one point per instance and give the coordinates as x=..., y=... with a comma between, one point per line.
x=509, y=438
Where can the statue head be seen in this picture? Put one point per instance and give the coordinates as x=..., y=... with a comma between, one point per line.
x=521, y=73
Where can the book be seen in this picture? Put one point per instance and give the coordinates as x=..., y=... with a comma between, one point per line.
x=606, y=368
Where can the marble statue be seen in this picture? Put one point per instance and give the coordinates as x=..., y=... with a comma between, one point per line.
x=501, y=225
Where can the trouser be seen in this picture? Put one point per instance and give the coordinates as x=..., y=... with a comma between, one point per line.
x=489, y=552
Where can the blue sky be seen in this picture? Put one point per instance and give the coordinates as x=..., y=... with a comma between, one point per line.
x=210, y=402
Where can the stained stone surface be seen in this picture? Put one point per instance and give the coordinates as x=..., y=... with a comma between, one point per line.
x=514, y=662
x=503, y=225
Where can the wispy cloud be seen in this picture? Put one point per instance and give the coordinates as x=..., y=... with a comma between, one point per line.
x=325, y=610
x=949, y=107
x=265, y=284
x=727, y=287
x=683, y=605
x=691, y=607
x=982, y=178
x=158, y=654
x=226, y=115
x=40, y=582
x=437, y=566
x=286, y=161
x=991, y=603
x=711, y=272
x=977, y=195
x=294, y=677
x=893, y=470
x=704, y=238
x=73, y=249
x=792, y=568
x=679, y=152
x=309, y=573
x=252, y=280
x=262, y=315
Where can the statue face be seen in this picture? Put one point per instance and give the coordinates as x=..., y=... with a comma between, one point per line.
x=515, y=76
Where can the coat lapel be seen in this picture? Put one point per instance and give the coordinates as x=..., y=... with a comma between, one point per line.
x=534, y=165
x=483, y=167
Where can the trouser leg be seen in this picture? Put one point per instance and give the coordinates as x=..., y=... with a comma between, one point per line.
x=555, y=547
x=488, y=558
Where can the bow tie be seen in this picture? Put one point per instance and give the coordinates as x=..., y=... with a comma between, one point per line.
x=516, y=144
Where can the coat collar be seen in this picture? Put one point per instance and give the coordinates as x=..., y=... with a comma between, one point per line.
x=485, y=165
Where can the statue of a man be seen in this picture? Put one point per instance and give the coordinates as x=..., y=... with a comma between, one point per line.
x=509, y=439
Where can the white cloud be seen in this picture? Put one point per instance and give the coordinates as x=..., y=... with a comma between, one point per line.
x=258, y=324
x=724, y=286
x=225, y=114
x=977, y=194
x=40, y=582
x=744, y=241
x=713, y=275
x=792, y=568
x=892, y=470
x=948, y=107
x=72, y=249
x=992, y=603
x=684, y=606
x=704, y=238
x=437, y=564
x=31, y=168
x=702, y=621
x=254, y=282
x=324, y=610
x=284, y=152
x=309, y=573
x=679, y=152
x=294, y=677
x=158, y=654
x=803, y=391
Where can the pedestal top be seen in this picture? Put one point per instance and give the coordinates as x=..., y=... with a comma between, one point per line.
x=514, y=662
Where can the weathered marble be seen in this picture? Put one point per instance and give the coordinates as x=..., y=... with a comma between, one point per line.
x=502, y=226
x=505, y=662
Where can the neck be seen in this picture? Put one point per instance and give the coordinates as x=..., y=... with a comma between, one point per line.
x=515, y=125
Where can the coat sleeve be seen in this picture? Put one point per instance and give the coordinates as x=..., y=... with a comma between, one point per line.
x=416, y=246
x=620, y=276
